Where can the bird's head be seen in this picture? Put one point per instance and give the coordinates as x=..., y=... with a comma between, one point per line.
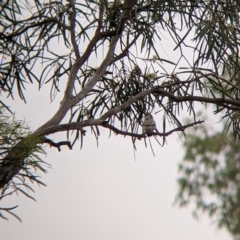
x=148, y=116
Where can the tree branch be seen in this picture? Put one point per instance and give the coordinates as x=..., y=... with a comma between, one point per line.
x=127, y=8
x=105, y=124
x=125, y=51
x=72, y=19
x=157, y=89
x=139, y=136
x=40, y=23
x=68, y=99
x=217, y=101
x=59, y=144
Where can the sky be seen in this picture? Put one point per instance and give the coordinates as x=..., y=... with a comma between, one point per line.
x=103, y=192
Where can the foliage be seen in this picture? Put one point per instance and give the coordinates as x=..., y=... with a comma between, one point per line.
x=12, y=133
x=105, y=60
x=209, y=176
x=209, y=171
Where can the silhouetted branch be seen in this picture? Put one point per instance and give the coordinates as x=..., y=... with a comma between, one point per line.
x=72, y=19
x=59, y=144
x=139, y=136
x=48, y=20
x=8, y=210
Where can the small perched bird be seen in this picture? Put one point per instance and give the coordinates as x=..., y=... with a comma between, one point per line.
x=148, y=125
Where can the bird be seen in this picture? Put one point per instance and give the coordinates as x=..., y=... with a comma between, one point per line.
x=148, y=125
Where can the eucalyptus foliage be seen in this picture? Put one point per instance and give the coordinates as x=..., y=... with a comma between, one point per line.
x=210, y=177
x=104, y=58
x=15, y=136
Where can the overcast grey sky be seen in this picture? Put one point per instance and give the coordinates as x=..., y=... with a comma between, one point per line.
x=104, y=193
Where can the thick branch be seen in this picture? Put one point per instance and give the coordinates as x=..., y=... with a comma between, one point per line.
x=98, y=122
x=68, y=100
x=114, y=111
x=217, y=101
x=159, y=90
x=77, y=65
x=69, y=126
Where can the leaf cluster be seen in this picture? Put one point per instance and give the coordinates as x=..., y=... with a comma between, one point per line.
x=12, y=150
x=27, y=41
x=209, y=176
